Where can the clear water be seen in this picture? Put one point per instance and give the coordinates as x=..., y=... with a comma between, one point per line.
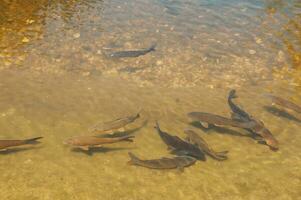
x=56, y=81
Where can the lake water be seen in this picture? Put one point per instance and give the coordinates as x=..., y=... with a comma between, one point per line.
x=57, y=80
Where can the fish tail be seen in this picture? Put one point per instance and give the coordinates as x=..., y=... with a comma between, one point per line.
x=32, y=140
x=128, y=138
x=232, y=94
x=133, y=159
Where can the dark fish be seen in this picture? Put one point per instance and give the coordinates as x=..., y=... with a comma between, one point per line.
x=178, y=162
x=284, y=103
x=180, y=146
x=237, y=112
x=215, y=120
x=132, y=53
x=86, y=142
x=255, y=126
x=194, y=138
x=115, y=125
x=4, y=144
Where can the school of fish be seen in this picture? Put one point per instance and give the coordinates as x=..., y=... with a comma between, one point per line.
x=184, y=152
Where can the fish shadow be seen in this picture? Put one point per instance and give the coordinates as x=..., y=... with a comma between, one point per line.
x=278, y=112
x=16, y=150
x=221, y=130
x=94, y=150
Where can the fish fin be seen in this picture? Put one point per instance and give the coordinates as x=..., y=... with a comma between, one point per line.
x=133, y=159
x=32, y=140
x=85, y=148
x=222, y=152
x=236, y=117
x=220, y=157
x=128, y=138
x=170, y=148
x=261, y=141
x=204, y=124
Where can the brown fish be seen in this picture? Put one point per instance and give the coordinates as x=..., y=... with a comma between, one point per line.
x=194, y=138
x=284, y=103
x=179, y=146
x=267, y=137
x=178, y=162
x=4, y=144
x=114, y=125
x=86, y=142
x=215, y=119
x=255, y=126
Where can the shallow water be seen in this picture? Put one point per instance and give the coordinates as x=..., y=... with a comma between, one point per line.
x=56, y=81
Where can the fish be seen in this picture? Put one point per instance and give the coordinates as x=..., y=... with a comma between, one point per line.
x=259, y=128
x=255, y=126
x=194, y=138
x=237, y=112
x=215, y=120
x=114, y=125
x=4, y=144
x=179, y=146
x=87, y=142
x=284, y=103
x=178, y=162
x=132, y=53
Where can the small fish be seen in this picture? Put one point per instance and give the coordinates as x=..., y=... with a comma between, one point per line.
x=255, y=126
x=115, y=125
x=179, y=146
x=178, y=162
x=4, y=144
x=284, y=103
x=87, y=142
x=194, y=138
x=132, y=53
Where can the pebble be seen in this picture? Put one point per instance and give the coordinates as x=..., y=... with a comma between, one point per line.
x=159, y=62
x=76, y=35
x=252, y=52
x=25, y=40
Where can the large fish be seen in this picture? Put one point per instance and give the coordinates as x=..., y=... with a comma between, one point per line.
x=213, y=119
x=194, y=138
x=87, y=142
x=179, y=146
x=132, y=53
x=178, y=162
x=114, y=125
x=4, y=144
x=256, y=126
x=284, y=103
